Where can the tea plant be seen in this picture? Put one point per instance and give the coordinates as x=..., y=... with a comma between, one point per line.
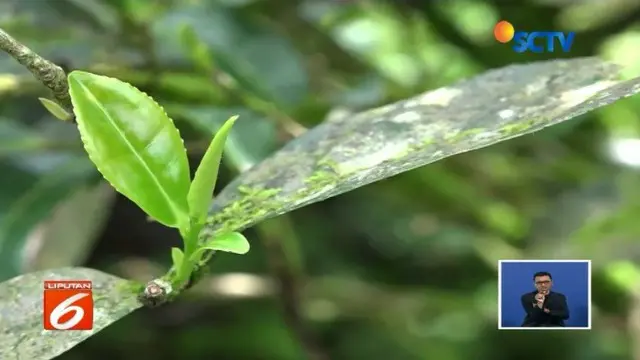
x=138, y=150
x=136, y=147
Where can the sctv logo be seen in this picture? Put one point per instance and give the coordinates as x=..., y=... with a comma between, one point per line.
x=535, y=41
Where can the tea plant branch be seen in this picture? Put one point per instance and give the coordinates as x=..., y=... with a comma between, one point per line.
x=48, y=73
x=286, y=266
x=169, y=197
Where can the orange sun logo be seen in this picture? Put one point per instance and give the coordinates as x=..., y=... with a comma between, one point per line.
x=503, y=31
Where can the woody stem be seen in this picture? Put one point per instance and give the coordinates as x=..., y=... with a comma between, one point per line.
x=48, y=73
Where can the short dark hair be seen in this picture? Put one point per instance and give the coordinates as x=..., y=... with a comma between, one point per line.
x=542, y=273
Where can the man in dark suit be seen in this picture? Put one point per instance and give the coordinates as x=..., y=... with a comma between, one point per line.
x=544, y=308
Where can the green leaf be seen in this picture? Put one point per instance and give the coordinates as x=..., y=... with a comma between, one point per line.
x=177, y=256
x=55, y=109
x=21, y=311
x=134, y=144
x=349, y=152
x=233, y=242
x=204, y=181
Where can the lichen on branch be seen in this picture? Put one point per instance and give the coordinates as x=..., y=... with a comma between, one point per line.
x=50, y=74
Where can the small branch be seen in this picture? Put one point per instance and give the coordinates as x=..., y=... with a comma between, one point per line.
x=48, y=73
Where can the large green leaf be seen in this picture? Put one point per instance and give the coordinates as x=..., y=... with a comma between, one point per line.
x=22, y=335
x=349, y=152
x=134, y=144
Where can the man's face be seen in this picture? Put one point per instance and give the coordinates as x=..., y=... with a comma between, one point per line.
x=543, y=283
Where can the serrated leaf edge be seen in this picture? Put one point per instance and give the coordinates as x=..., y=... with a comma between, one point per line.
x=84, y=144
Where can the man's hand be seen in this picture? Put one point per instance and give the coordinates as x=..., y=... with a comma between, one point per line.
x=546, y=310
x=539, y=300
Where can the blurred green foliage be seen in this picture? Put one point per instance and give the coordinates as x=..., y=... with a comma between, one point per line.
x=401, y=269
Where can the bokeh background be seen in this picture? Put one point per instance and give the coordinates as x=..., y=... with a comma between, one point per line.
x=405, y=268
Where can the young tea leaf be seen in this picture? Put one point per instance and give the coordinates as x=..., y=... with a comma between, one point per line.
x=204, y=181
x=177, y=256
x=233, y=242
x=134, y=144
x=55, y=109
